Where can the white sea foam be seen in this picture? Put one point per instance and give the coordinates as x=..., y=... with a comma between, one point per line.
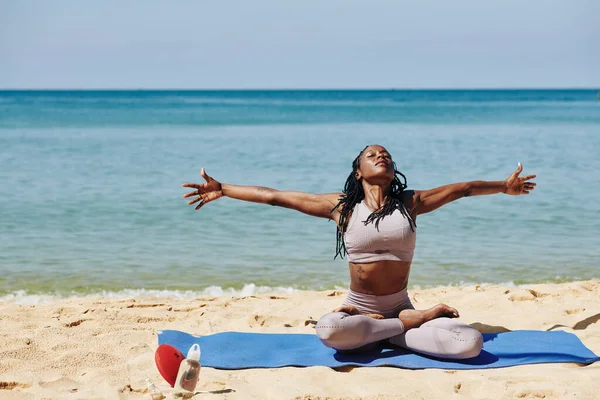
x=22, y=297
x=461, y=284
x=25, y=298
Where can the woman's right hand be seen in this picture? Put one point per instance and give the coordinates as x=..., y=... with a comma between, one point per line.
x=206, y=192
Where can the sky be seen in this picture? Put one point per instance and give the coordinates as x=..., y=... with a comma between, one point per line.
x=303, y=44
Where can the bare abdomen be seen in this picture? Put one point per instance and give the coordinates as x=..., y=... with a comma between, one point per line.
x=379, y=278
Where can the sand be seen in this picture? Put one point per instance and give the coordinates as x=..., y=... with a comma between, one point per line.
x=98, y=348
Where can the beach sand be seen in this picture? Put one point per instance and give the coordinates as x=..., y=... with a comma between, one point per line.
x=98, y=348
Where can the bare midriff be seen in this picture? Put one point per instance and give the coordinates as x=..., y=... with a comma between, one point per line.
x=379, y=278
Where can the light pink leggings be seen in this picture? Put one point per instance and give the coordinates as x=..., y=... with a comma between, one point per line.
x=441, y=337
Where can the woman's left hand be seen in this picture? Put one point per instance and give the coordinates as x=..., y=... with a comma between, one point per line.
x=515, y=185
x=354, y=311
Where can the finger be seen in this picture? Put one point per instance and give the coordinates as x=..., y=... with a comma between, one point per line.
x=197, y=199
x=347, y=309
x=191, y=185
x=190, y=194
x=519, y=169
x=525, y=192
x=204, y=175
x=516, y=173
x=528, y=177
x=199, y=205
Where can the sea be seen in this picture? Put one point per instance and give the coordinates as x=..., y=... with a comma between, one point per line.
x=91, y=197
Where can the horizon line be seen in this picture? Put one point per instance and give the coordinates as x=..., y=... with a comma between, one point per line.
x=286, y=89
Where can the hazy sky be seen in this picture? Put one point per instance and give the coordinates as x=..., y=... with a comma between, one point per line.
x=299, y=44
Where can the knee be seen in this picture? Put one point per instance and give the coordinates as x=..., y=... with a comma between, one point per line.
x=469, y=343
x=330, y=326
x=336, y=333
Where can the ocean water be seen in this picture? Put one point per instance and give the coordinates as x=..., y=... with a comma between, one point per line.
x=91, y=197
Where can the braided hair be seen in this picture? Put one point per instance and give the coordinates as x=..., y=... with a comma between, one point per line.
x=353, y=194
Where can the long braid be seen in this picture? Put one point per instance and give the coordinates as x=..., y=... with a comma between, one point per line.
x=354, y=194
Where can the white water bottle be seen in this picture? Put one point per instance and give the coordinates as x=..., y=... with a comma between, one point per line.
x=189, y=370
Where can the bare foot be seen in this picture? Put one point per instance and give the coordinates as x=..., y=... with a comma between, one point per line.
x=415, y=318
x=354, y=311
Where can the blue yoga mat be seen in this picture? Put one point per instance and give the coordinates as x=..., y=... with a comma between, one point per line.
x=237, y=350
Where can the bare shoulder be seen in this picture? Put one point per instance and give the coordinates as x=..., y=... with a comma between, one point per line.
x=410, y=198
x=333, y=200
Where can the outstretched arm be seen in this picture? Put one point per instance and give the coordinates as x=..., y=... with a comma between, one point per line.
x=425, y=201
x=317, y=205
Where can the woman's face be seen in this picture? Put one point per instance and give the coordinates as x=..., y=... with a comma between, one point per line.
x=375, y=165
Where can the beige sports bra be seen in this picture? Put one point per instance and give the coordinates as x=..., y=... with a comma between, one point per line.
x=395, y=240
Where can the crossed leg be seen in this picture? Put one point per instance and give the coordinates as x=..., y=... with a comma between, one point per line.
x=439, y=337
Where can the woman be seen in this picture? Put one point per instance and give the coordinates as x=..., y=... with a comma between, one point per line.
x=376, y=220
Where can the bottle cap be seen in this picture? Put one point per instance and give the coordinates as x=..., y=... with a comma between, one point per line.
x=194, y=352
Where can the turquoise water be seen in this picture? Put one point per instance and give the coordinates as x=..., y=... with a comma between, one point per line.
x=91, y=198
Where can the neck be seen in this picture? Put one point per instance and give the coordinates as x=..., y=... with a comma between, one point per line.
x=375, y=195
